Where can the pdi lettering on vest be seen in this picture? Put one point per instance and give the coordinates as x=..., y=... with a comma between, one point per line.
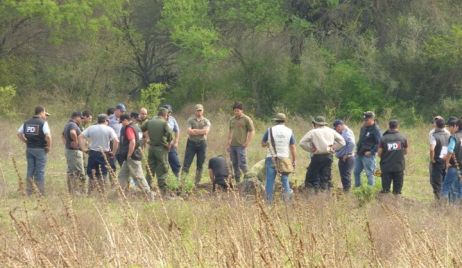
x=32, y=129
x=394, y=146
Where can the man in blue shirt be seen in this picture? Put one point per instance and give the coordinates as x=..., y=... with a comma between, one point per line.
x=345, y=155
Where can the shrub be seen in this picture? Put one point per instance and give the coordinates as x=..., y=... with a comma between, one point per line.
x=7, y=93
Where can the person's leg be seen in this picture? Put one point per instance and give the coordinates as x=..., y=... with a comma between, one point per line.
x=136, y=172
x=200, y=159
x=39, y=175
x=345, y=173
x=30, y=171
x=358, y=169
x=287, y=192
x=270, y=177
x=124, y=176
x=446, y=189
x=436, y=179
x=369, y=167
x=312, y=179
x=161, y=168
x=325, y=172
x=151, y=164
x=174, y=161
x=398, y=179
x=91, y=171
x=242, y=161
x=386, y=182
x=188, y=156
x=234, y=155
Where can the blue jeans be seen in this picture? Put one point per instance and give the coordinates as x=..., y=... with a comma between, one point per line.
x=270, y=178
x=239, y=159
x=368, y=164
x=451, y=185
x=174, y=161
x=36, y=162
x=194, y=148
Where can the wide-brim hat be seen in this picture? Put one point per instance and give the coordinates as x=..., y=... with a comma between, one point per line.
x=319, y=120
x=279, y=117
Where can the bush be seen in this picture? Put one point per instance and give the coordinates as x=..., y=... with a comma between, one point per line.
x=151, y=96
x=7, y=93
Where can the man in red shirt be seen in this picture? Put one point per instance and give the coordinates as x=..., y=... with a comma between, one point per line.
x=130, y=153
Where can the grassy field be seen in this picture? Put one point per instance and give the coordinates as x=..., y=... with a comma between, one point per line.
x=329, y=230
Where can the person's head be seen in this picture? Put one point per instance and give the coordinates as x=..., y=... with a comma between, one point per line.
x=125, y=119
x=87, y=117
x=119, y=110
x=102, y=119
x=110, y=111
x=393, y=124
x=199, y=108
x=143, y=113
x=279, y=118
x=436, y=118
x=169, y=108
x=339, y=125
x=452, y=124
x=162, y=113
x=134, y=116
x=369, y=118
x=319, y=121
x=238, y=109
x=76, y=117
x=439, y=123
x=459, y=124
x=40, y=112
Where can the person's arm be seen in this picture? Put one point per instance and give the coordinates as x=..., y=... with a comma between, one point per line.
x=83, y=143
x=74, y=139
x=264, y=141
x=380, y=151
x=177, y=134
x=115, y=145
x=432, y=149
x=230, y=137
x=48, y=139
x=250, y=133
x=293, y=154
x=20, y=134
x=305, y=142
x=131, y=148
x=405, y=146
x=339, y=140
x=377, y=139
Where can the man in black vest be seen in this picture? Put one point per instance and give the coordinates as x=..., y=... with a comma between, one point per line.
x=74, y=156
x=438, y=151
x=35, y=132
x=131, y=155
x=392, y=148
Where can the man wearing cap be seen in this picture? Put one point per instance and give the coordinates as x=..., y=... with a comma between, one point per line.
x=431, y=140
x=345, y=155
x=241, y=132
x=130, y=153
x=173, y=159
x=114, y=121
x=143, y=116
x=280, y=143
x=198, y=128
x=35, y=133
x=160, y=137
x=438, y=150
x=451, y=184
x=366, y=148
x=100, y=137
x=392, y=148
x=321, y=142
x=74, y=156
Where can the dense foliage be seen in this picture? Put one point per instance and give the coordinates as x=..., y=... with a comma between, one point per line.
x=335, y=57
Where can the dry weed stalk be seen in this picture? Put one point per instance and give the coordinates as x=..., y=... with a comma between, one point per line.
x=21, y=186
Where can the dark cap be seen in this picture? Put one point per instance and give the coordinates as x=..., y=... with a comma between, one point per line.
x=368, y=114
x=393, y=124
x=452, y=121
x=168, y=107
x=102, y=118
x=76, y=114
x=121, y=107
x=338, y=122
x=124, y=117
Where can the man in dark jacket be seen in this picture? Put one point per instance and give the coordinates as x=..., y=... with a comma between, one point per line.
x=35, y=133
x=438, y=150
x=367, y=146
x=392, y=148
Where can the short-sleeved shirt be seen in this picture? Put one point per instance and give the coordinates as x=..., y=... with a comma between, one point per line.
x=431, y=138
x=115, y=124
x=130, y=133
x=100, y=136
x=71, y=125
x=173, y=124
x=159, y=132
x=195, y=123
x=218, y=166
x=240, y=127
x=46, y=129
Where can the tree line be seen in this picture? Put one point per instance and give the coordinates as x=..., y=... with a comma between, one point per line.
x=336, y=57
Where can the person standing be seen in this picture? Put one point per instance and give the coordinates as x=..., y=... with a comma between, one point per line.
x=100, y=136
x=241, y=132
x=160, y=136
x=321, y=141
x=115, y=124
x=86, y=121
x=438, y=150
x=367, y=146
x=130, y=153
x=198, y=128
x=345, y=155
x=35, y=133
x=143, y=116
x=450, y=189
x=280, y=141
x=74, y=156
x=218, y=172
x=173, y=159
x=392, y=149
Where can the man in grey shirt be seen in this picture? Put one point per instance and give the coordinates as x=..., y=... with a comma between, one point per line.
x=100, y=136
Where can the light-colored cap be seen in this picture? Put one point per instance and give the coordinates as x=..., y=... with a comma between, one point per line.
x=280, y=117
x=199, y=107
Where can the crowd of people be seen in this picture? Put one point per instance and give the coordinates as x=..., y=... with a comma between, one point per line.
x=119, y=139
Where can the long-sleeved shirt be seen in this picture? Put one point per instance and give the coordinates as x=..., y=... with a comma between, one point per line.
x=369, y=139
x=324, y=139
x=349, y=147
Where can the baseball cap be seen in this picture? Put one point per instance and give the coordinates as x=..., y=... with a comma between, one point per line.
x=280, y=117
x=368, y=114
x=76, y=114
x=338, y=122
x=452, y=120
x=169, y=107
x=121, y=107
x=199, y=107
x=102, y=118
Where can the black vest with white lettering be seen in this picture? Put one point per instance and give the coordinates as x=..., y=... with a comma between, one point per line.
x=393, y=145
x=33, y=130
x=442, y=139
